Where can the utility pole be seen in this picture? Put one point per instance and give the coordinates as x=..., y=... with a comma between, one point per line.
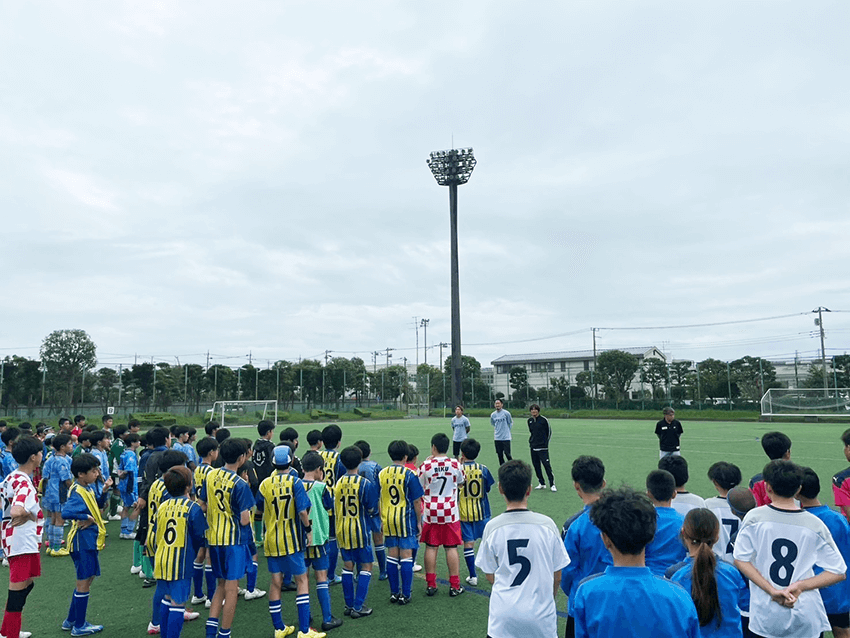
x=389, y=356
x=594, y=362
x=375, y=362
x=425, y=323
x=443, y=375
x=416, y=328
x=819, y=322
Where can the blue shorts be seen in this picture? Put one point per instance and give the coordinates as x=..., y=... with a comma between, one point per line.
x=86, y=563
x=128, y=499
x=178, y=591
x=289, y=564
x=375, y=525
x=50, y=505
x=319, y=561
x=358, y=556
x=470, y=532
x=402, y=542
x=229, y=562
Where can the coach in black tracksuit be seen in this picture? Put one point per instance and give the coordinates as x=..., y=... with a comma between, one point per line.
x=540, y=431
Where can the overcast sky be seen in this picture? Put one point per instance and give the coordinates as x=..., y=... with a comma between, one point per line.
x=177, y=178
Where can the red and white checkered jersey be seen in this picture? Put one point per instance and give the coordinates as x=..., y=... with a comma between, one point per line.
x=17, y=489
x=440, y=477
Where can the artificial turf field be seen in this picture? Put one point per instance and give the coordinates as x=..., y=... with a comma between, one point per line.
x=629, y=450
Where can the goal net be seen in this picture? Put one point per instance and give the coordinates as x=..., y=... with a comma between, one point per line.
x=806, y=402
x=232, y=413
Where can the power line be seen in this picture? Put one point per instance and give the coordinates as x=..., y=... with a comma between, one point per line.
x=705, y=325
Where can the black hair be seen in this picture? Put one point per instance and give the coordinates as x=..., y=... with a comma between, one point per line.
x=97, y=437
x=192, y=432
x=396, y=449
x=231, y=449
x=809, y=488
x=289, y=434
x=205, y=446
x=726, y=475
x=180, y=431
x=26, y=425
x=440, y=442
x=412, y=452
x=589, y=473
x=176, y=480
x=9, y=435
x=702, y=529
x=331, y=436
x=60, y=440
x=784, y=477
x=845, y=437
x=84, y=438
x=661, y=484
x=79, y=418
x=314, y=437
x=351, y=457
x=25, y=447
x=120, y=430
x=131, y=438
x=514, y=479
x=365, y=448
x=264, y=427
x=171, y=458
x=534, y=406
x=84, y=463
x=106, y=417
x=91, y=427
x=470, y=449
x=677, y=466
x=62, y=421
x=173, y=429
x=775, y=445
x=134, y=423
x=312, y=461
x=626, y=517
x=221, y=435
x=157, y=436
x=211, y=427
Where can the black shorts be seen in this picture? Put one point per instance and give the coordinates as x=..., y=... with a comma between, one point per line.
x=842, y=621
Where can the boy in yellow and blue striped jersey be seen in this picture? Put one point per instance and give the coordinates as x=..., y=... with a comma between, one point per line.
x=286, y=519
x=331, y=437
x=473, y=504
x=174, y=537
x=226, y=497
x=355, y=500
x=207, y=450
x=401, y=513
x=370, y=469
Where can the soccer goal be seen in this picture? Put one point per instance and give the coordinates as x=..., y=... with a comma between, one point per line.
x=806, y=402
x=232, y=413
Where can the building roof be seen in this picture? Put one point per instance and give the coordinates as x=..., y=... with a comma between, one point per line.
x=572, y=355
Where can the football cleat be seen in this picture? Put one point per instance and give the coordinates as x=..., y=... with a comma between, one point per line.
x=255, y=593
x=136, y=569
x=455, y=592
x=472, y=580
x=540, y=487
x=197, y=600
x=333, y=623
x=554, y=489
x=283, y=633
x=360, y=613
x=347, y=611
x=88, y=629
x=67, y=626
x=404, y=600
x=417, y=567
x=190, y=615
x=153, y=630
x=394, y=598
x=431, y=591
x=311, y=633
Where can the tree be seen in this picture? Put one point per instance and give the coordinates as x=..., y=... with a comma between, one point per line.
x=615, y=370
x=584, y=380
x=21, y=382
x=753, y=375
x=106, y=387
x=68, y=355
x=518, y=376
x=713, y=379
x=683, y=378
x=654, y=372
x=814, y=379
x=470, y=369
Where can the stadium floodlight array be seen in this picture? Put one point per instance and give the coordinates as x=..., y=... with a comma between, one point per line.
x=452, y=167
x=806, y=402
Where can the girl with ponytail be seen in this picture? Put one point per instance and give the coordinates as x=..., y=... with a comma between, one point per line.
x=716, y=587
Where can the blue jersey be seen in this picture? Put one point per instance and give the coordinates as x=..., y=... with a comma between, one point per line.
x=732, y=590
x=129, y=463
x=369, y=470
x=82, y=503
x=631, y=601
x=588, y=556
x=56, y=471
x=666, y=547
x=7, y=463
x=836, y=598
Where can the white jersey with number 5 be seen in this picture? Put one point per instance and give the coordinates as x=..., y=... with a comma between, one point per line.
x=784, y=545
x=523, y=550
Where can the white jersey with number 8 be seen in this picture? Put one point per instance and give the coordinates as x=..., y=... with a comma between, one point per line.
x=784, y=545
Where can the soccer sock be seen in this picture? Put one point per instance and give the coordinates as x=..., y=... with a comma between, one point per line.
x=81, y=600
x=348, y=587
x=48, y=534
x=333, y=553
x=211, y=581
x=392, y=573
x=198, y=579
x=212, y=627
x=469, y=556
x=175, y=621
x=147, y=567
x=362, y=589
x=158, y=593
x=430, y=579
x=406, y=577
x=137, y=554
x=72, y=609
x=12, y=623
x=287, y=578
x=454, y=582
x=275, y=613
x=323, y=593
x=381, y=555
x=164, y=612
x=258, y=531
x=223, y=633
x=302, y=604
x=113, y=504
x=415, y=552
x=251, y=575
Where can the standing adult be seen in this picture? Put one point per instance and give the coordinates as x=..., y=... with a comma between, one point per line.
x=668, y=430
x=540, y=433
x=502, y=423
x=460, y=430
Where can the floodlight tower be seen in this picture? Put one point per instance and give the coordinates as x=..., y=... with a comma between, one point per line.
x=452, y=168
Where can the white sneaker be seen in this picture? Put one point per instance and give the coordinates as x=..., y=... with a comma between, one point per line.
x=152, y=629
x=5, y=562
x=190, y=615
x=115, y=517
x=257, y=593
x=25, y=634
x=472, y=580
x=141, y=573
x=241, y=591
x=136, y=570
x=540, y=487
x=554, y=489
x=197, y=600
x=208, y=604
x=120, y=509
x=417, y=567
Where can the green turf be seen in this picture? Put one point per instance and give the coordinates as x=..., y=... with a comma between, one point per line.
x=628, y=448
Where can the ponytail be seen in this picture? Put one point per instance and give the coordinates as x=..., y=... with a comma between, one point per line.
x=702, y=528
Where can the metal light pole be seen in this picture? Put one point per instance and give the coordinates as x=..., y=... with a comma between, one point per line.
x=424, y=323
x=453, y=168
x=819, y=323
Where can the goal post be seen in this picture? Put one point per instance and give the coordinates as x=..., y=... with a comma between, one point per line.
x=806, y=402
x=234, y=413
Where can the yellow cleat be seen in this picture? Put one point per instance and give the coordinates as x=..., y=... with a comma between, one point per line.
x=61, y=552
x=311, y=633
x=282, y=633
x=48, y=552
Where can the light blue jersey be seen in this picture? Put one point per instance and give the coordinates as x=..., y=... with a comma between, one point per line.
x=502, y=423
x=56, y=471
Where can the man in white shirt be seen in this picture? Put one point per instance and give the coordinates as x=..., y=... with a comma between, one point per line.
x=776, y=549
x=522, y=556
